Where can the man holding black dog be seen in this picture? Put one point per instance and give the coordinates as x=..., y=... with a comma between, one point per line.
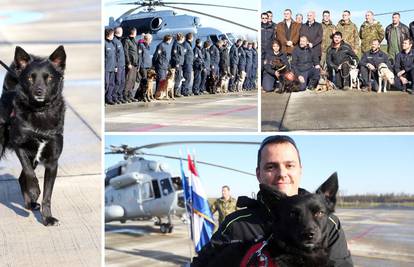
x=278, y=165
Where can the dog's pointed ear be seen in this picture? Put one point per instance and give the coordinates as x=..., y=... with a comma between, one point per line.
x=329, y=189
x=21, y=58
x=58, y=58
x=271, y=195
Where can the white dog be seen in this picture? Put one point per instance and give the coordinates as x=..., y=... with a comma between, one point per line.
x=353, y=76
x=386, y=77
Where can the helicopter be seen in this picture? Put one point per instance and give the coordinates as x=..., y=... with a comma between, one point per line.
x=161, y=22
x=137, y=188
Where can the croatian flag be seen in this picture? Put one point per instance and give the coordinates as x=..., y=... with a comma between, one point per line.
x=202, y=221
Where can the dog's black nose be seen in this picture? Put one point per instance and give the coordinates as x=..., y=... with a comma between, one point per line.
x=308, y=234
x=39, y=92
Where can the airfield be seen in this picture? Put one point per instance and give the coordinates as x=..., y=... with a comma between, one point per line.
x=231, y=112
x=39, y=27
x=332, y=111
x=376, y=237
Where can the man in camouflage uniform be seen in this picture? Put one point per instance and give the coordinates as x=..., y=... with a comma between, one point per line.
x=369, y=31
x=224, y=205
x=349, y=31
x=328, y=29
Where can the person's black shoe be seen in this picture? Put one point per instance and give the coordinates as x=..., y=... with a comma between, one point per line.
x=110, y=103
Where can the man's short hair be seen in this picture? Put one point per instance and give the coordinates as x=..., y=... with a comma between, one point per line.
x=275, y=139
x=288, y=9
x=167, y=37
x=264, y=14
x=179, y=36
x=198, y=41
x=269, y=12
x=189, y=36
x=132, y=30
x=326, y=12
x=206, y=44
x=370, y=11
x=108, y=31
x=409, y=40
x=225, y=186
x=337, y=33
x=396, y=13
x=347, y=11
x=276, y=42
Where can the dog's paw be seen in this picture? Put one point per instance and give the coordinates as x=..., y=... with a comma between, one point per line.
x=50, y=221
x=34, y=206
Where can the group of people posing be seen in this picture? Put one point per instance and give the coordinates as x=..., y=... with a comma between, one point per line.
x=128, y=61
x=311, y=48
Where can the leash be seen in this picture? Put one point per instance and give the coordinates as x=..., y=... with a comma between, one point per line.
x=9, y=70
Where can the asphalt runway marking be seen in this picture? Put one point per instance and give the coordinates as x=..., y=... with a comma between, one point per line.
x=363, y=233
x=284, y=113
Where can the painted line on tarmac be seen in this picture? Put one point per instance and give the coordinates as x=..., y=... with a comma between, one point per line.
x=192, y=118
x=363, y=234
x=284, y=113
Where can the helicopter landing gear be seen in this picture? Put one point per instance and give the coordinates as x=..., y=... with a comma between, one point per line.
x=166, y=228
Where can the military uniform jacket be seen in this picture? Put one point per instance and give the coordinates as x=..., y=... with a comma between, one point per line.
x=374, y=58
x=336, y=57
x=120, y=54
x=146, y=55
x=254, y=59
x=161, y=57
x=327, y=29
x=349, y=33
x=133, y=55
x=234, y=55
x=214, y=55
x=242, y=58
x=253, y=223
x=206, y=57
x=188, y=53
x=198, y=58
x=404, y=61
x=110, y=56
x=177, y=54
x=224, y=207
x=402, y=33
x=368, y=33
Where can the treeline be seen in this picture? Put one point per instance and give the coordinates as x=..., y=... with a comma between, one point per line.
x=378, y=198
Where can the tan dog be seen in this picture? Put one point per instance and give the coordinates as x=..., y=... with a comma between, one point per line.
x=151, y=76
x=240, y=81
x=224, y=84
x=169, y=94
x=324, y=84
x=386, y=77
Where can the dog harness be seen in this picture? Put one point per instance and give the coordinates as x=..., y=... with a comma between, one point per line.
x=258, y=256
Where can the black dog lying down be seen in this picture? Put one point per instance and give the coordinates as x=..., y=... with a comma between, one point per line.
x=300, y=236
x=32, y=113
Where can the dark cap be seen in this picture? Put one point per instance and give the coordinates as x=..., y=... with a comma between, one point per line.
x=275, y=139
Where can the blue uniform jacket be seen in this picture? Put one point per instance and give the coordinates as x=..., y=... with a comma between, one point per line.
x=120, y=54
x=189, y=55
x=110, y=56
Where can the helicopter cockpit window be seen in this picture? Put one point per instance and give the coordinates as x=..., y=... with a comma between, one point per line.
x=166, y=186
x=177, y=184
x=147, y=191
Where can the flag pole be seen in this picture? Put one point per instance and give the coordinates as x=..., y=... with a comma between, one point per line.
x=190, y=179
x=189, y=227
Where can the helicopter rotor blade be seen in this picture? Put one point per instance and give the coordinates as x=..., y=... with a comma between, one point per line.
x=211, y=5
x=212, y=16
x=390, y=13
x=200, y=162
x=195, y=142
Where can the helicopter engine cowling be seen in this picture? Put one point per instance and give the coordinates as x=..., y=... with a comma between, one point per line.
x=125, y=180
x=113, y=213
x=143, y=25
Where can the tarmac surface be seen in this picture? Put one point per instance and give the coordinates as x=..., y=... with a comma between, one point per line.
x=376, y=237
x=39, y=27
x=231, y=112
x=335, y=111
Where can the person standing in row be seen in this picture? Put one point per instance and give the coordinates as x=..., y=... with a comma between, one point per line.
x=118, y=94
x=145, y=66
x=349, y=31
x=396, y=33
x=287, y=32
x=186, y=88
x=314, y=32
x=327, y=30
x=207, y=66
x=234, y=62
x=160, y=61
x=110, y=66
x=177, y=62
x=132, y=63
x=198, y=66
x=369, y=31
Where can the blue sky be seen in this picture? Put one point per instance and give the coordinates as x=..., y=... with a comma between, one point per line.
x=247, y=18
x=365, y=163
x=358, y=9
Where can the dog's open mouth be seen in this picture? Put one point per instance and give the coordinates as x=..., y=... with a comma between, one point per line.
x=39, y=98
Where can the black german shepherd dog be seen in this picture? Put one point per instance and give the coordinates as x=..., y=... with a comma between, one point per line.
x=299, y=230
x=32, y=113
